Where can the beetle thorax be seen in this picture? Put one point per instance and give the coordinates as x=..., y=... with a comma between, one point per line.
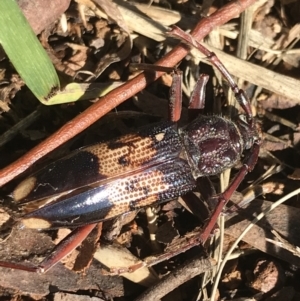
x=212, y=144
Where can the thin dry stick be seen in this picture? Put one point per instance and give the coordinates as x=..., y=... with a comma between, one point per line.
x=120, y=94
x=22, y=125
x=187, y=271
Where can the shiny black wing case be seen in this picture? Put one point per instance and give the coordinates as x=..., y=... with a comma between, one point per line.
x=157, y=184
x=103, y=162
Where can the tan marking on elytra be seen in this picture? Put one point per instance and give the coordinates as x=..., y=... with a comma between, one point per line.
x=36, y=223
x=144, y=191
x=136, y=150
x=160, y=136
x=24, y=188
x=147, y=201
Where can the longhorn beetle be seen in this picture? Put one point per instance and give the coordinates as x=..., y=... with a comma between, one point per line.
x=153, y=165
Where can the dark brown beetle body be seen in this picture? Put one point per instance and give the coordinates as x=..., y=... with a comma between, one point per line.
x=212, y=144
x=153, y=165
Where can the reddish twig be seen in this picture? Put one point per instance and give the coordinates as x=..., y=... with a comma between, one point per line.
x=120, y=94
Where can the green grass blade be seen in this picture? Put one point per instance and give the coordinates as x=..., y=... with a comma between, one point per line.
x=25, y=51
x=81, y=91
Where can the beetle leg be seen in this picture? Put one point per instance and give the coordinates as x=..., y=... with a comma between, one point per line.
x=197, y=100
x=224, y=197
x=175, y=97
x=240, y=95
x=65, y=247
